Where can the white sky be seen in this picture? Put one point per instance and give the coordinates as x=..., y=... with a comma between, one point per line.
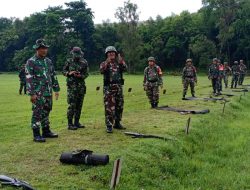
x=103, y=9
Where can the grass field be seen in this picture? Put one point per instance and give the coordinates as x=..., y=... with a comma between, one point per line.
x=215, y=155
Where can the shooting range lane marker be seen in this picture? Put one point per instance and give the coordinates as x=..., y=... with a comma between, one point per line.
x=224, y=106
x=129, y=91
x=183, y=111
x=164, y=91
x=116, y=173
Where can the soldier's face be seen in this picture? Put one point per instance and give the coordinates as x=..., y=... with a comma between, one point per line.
x=111, y=55
x=214, y=62
x=241, y=62
x=189, y=63
x=151, y=63
x=42, y=52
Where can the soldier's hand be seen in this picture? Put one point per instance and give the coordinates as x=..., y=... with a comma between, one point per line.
x=145, y=88
x=71, y=73
x=56, y=95
x=77, y=75
x=33, y=98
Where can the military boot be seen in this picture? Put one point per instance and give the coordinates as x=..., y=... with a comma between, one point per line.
x=47, y=133
x=77, y=124
x=156, y=105
x=109, y=129
x=193, y=95
x=37, y=136
x=152, y=105
x=119, y=126
x=184, y=97
x=70, y=125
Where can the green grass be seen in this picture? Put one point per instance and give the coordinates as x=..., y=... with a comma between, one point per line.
x=215, y=155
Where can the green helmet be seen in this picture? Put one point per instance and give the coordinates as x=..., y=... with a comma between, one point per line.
x=39, y=44
x=236, y=62
x=151, y=59
x=189, y=60
x=215, y=59
x=110, y=49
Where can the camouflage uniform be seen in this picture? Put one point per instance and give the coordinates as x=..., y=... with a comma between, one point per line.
x=113, y=90
x=235, y=74
x=22, y=78
x=152, y=81
x=41, y=80
x=227, y=71
x=243, y=71
x=213, y=75
x=189, y=77
x=76, y=88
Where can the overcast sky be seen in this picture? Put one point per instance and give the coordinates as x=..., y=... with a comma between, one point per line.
x=103, y=9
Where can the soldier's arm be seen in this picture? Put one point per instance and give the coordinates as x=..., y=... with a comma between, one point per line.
x=29, y=70
x=85, y=72
x=195, y=74
x=104, y=67
x=160, y=81
x=65, y=71
x=183, y=75
x=55, y=84
x=145, y=77
x=123, y=64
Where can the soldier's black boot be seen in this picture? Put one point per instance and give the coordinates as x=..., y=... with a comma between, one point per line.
x=109, y=129
x=20, y=92
x=119, y=126
x=47, y=133
x=152, y=105
x=156, y=105
x=70, y=125
x=37, y=136
x=78, y=124
x=183, y=97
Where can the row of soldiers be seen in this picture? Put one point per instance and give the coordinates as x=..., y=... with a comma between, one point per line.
x=41, y=81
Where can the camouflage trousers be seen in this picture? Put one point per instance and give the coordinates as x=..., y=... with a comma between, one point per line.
x=188, y=82
x=241, y=79
x=113, y=103
x=220, y=83
x=235, y=80
x=215, y=85
x=22, y=87
x=40, y=112
x=152, y=92
x=226, y=80
x=75, y=97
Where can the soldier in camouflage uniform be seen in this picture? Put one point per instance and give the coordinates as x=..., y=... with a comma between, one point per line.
x=227, y=71
x=235, y=74
x=243, y=71
x=41, y=81
x=76, y=71
x=213, y=75
x=189, y=77
x=152, y=81
x=112, y=70
x=22, y=78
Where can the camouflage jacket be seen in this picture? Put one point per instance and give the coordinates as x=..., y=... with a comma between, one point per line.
x=227, y=70
x=80, y=66
x=236, y=69
x=113, y=72
x=41, y=77
x=22, y=75
x=189, y=72
x=243, y=69
x=153, y=75
x=213, y=71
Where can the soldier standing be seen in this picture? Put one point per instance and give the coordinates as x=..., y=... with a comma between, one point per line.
x=152, y=81
x=221, y=74
x=112, y=70
x=236, y=74
x=227, y=71
x=76, y=70
x=213, y=75
x=22, y=78
x=41, y=81
x=243, y=71
x=189, y=77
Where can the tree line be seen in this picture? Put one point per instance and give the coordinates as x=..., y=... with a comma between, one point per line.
x=221, y=28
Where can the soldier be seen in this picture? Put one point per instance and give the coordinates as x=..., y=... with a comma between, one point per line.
x=41, y=81
x=22, y=79
x=243, y=71
x=213, y=75
x=189, y=77
x=152, y=81
x=76, y=71
x=227, y=71
x=221, y=74
x=236, y=74
x=112, y=70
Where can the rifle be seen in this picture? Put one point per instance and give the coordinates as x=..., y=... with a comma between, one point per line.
x=140, y=135
x=5, y=180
